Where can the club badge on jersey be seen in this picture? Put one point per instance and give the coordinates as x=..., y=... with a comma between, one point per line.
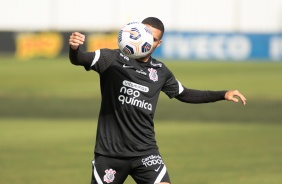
x=153, y=74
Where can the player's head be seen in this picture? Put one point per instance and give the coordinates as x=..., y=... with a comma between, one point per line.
x=157, y=28
x=155, y=23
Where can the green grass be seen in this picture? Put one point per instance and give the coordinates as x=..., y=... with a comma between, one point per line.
x=48, y=110
x=57, y=89
x=59, y=78
x=42, y=151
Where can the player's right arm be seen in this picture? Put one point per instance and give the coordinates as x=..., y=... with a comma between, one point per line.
x=76, y=56
x=98, y=60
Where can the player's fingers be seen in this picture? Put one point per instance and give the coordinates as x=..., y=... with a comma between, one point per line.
x=78, y=36
x=243, y=101
x=76, y=41
x=242, y=98
x=233, y=99
x=234, y=95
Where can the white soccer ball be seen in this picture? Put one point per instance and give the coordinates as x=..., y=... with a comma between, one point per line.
x=135, y=40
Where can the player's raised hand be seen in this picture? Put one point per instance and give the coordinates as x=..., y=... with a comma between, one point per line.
x=234, y=95
x=76, y=39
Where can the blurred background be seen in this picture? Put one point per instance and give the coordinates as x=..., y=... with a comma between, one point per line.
x=202, y=29
x=49, y=108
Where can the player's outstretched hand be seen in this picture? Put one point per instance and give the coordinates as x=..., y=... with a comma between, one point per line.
x=76, y=39
x=234, y=95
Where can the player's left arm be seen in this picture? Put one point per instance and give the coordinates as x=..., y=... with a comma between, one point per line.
x=206, y=96
x=174, y=89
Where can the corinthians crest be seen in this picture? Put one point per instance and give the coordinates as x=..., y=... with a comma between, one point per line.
x=109, y=176
x=153, y=74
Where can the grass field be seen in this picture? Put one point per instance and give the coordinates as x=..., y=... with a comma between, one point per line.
x=48, y=111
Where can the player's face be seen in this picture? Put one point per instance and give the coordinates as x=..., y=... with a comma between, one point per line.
x=157, y=37
x=157, y=34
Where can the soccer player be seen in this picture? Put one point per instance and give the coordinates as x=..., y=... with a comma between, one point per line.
x=130, y=88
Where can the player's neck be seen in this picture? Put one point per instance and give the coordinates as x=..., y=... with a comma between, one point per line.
x=145, y=59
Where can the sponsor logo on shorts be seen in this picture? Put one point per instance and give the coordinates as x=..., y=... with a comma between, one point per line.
x=152, y=160
x=109, y=176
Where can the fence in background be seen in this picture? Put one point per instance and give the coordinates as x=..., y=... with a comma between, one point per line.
x=176, y=45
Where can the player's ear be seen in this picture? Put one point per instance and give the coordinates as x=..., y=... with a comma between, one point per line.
x=160, y=42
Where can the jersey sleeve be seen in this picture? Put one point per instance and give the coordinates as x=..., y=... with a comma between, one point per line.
x=200, y=96
x=102, y=59
x=98, y=61
x=172, y=86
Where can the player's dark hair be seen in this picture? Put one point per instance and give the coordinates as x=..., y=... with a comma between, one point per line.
x=155, y=23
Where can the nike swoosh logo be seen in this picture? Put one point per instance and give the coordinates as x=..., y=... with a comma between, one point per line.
x=127, y=66
x=158, y=169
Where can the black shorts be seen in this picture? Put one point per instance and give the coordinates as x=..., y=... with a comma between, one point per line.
x=148, y=169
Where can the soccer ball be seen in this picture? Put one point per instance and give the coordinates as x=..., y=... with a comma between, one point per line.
x=135, y=40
